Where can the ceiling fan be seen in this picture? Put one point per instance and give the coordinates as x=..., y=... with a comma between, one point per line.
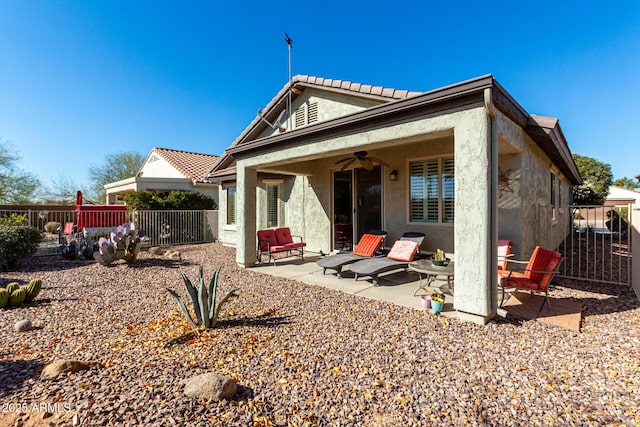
x=361, y=156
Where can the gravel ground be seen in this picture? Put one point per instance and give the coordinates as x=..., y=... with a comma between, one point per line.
x=304, y=355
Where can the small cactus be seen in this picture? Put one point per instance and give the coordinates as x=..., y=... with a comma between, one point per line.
x=4, y=297
x=33, y=289
x=17, y=297
x=12, y=287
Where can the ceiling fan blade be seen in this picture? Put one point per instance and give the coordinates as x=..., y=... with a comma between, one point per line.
x=366, y=163
x=344, y=160
x=375, y=159
x=347, y=164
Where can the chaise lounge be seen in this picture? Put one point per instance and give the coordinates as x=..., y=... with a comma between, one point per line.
x=399, y=257
x=366, y=248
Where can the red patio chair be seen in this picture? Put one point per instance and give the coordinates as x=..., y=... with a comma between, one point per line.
x=536, y=276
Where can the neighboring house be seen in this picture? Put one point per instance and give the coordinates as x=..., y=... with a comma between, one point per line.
x=622, y=196
x=166, y=170
x=464, y=164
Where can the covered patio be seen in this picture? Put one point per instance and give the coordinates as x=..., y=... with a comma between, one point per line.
x=397, y=287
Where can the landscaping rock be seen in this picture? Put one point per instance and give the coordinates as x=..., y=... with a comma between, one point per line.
x=211, y=386
x=175, y=255
x=23, y=326
x=155, y=250
x=58, y=367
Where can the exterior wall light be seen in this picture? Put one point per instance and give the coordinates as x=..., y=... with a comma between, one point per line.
x=393, y=176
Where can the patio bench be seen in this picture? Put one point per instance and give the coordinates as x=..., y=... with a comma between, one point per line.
x=277, y=240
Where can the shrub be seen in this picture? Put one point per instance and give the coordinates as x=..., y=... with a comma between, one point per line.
x=176, y=200
x=52, y=227
x=143, y=200
x=14, y=219
x=185, y=200
x=17, y=242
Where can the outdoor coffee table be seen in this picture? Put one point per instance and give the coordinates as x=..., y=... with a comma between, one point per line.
x=431, y=273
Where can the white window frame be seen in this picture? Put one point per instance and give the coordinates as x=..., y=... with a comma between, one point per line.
x=277, y=184
x=232, y=191
x=442, y=161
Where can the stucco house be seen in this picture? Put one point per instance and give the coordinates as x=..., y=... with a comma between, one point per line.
x=622, y=196
x=166, y=170
x=465, y=164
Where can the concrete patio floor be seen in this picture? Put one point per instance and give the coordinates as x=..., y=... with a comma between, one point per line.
x=397, y=287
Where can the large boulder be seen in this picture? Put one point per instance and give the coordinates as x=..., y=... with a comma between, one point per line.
x=58, y=367
x=210, y=386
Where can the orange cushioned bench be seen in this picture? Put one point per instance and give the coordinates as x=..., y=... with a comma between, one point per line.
x=277, y=240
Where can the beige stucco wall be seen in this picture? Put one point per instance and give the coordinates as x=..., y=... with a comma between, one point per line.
x=524, y=212
x=330, y=106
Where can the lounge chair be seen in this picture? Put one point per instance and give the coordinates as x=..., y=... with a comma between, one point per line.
x=401, y=254
x=366, y=248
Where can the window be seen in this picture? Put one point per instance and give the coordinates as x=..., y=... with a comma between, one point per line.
x=231, y=206
x=552, y=195
x=432, y=190
x=272, y=206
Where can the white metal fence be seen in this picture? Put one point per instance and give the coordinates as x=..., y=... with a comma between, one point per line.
x=161, y=227
x=595, y=242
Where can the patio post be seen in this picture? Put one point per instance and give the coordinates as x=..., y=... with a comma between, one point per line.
x=475, y=148
x=635, y=249
x=247, y=180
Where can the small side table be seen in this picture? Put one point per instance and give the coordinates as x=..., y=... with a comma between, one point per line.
x=431, y=273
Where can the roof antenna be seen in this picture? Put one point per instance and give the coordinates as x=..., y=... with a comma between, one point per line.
x=289, y=46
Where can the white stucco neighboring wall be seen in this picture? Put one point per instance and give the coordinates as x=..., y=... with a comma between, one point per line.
x=622, y=194
x=157, y=167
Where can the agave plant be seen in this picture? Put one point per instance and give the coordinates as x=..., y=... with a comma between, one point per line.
x=203, y=299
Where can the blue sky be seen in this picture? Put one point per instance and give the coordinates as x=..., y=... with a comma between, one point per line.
x=81, y=80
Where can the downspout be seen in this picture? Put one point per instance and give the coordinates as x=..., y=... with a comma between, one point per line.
x=492, y=230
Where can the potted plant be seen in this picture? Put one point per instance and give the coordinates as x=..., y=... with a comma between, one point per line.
x=425, y=300
x=440, y=259
x=437, y=302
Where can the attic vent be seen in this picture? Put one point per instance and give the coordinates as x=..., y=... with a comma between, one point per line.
x=300, y=116
x=313, y=112
x=153, y=158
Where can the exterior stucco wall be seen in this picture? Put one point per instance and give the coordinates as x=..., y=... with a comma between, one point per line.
x=525, y=214
x=159, y=168
x=397, y=198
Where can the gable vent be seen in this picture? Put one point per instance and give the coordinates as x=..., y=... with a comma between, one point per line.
x=313, y=112
x=300, y=116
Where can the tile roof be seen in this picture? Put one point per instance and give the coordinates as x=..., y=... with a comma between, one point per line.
x=195, y=166
x=359, y=88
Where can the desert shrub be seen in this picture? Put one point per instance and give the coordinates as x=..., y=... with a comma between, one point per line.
x=52, y=226
x=17, y=242
x=185, y=200
x=14, y=219
x=176, y=200
x=143, y=200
